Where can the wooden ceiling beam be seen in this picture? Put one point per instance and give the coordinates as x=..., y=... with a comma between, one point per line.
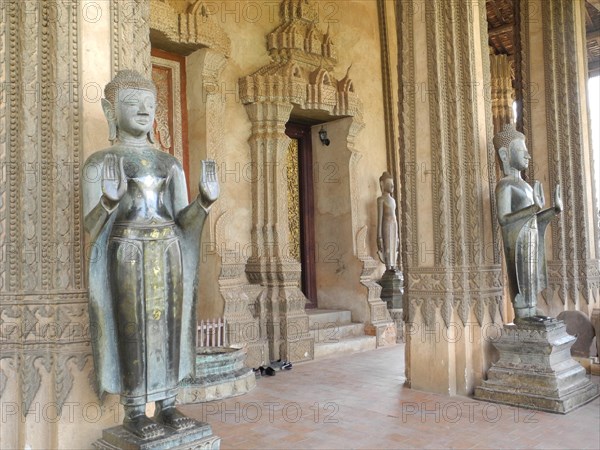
x=506, y=28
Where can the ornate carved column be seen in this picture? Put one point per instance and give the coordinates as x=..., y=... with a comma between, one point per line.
x=281, y=302
x=130, y=36
x=449, y=242
x=502, y=91
x=43, y=301
x=552, y=88
x=45, y=359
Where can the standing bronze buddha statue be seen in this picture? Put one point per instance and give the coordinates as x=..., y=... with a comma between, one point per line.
x=523, y=221
x=143, y=271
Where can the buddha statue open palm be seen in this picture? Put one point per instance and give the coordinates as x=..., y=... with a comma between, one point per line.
x=143, y=271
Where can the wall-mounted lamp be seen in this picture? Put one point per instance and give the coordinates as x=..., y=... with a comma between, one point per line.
x=323, y=136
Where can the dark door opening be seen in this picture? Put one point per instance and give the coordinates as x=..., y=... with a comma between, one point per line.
x=301, y=206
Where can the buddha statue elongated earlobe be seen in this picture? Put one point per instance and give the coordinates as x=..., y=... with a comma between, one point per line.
x=109, y=113
x=151, y=136
x=503, y=154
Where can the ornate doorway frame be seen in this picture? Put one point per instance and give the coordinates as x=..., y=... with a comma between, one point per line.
x=298, y=83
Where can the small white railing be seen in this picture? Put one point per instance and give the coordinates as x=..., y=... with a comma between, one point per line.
x=212, y=333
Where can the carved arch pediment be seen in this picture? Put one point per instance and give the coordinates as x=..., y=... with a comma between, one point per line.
x=346, y=84
x=187, y=32
x=301, y=71
x=320, y=77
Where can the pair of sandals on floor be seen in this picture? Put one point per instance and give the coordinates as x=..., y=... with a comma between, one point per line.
x=270, y=370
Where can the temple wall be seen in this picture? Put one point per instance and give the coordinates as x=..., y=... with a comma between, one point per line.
x=47, y=397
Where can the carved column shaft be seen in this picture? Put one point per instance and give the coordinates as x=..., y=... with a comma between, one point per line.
x=450, y=245
x=552, y=87
x=268, y=146
x=502, y=91
x=43, y=304
x=281, y=302
x=44, y=337
x=130, y=39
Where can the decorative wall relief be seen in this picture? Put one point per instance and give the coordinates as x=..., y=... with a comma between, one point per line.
x=130, y=31
x=166, y=75
x=44, y=337
x=186, y=32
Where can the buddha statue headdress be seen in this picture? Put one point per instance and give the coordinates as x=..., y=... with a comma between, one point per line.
x=502, y=142
x=508, y=134
x=384, y=176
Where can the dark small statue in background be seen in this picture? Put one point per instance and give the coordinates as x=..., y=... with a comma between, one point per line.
x=523, y=223
x=143, y=271
x=387, y=224
x=392, y=280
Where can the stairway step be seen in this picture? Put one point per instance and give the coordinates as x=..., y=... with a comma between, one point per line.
x=319, y=318
x=331, y=332
x=345, y=346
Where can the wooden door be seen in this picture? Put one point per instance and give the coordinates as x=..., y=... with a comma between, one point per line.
x=301, y=206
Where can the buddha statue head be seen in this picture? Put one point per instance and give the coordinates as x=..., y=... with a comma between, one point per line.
x=129, y=106
x=386, y=182
x=512, y=150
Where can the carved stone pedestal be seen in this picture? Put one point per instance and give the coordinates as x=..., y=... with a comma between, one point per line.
x=220, y=374
x=199, y=437
x=397, y=316
x=536, y=371
x=392, y=283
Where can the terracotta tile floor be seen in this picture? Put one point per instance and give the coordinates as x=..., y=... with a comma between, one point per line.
x=358, y=401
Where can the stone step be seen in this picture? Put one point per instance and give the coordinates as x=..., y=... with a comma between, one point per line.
x=331, y=332
x=345, y=346
x=320, y=318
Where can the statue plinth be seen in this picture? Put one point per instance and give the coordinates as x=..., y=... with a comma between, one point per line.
x=535, y=369
x=392, y=283
x=198, y=437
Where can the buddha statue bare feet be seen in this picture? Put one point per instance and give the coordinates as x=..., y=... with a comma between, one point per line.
x=168, y=415
x=137, y=422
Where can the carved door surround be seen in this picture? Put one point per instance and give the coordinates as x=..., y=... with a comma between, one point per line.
x=299, y=82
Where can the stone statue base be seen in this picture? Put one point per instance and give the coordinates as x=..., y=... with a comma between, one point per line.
x=392, y=283
x=397, y=316
x=220, y=374
x=536, y=371
x=199, y=437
